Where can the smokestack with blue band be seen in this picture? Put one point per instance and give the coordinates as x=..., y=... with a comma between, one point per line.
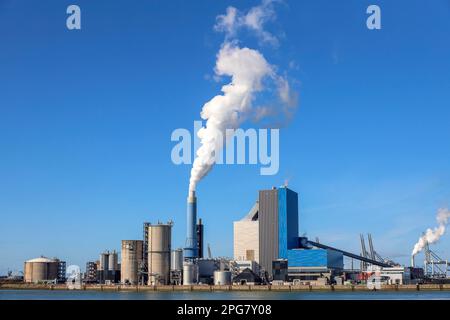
x=191, y=250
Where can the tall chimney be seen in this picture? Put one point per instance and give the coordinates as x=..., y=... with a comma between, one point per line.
x=413, y=264
x=191, y=250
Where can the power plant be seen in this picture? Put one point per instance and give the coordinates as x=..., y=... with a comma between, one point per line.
x=267, y=249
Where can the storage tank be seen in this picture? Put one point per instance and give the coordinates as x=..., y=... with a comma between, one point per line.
x=159, y=246
x=112, y=261
x=222, y=277
x=176, y=260
x=41, y=269
x=104, y=260
x=190, y=272
x=131, y=261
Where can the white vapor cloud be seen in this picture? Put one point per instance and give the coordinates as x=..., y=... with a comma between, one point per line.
x=433, y=235
x=248, y=70
x=254, y=20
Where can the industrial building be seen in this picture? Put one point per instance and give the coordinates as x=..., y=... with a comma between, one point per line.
x=268, y=235
x=246, y=236
x=199, y=230
x=108, y=269
x=90, y=276
x=270, y=229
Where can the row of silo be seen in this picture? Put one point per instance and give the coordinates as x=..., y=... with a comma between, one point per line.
x=158, y=243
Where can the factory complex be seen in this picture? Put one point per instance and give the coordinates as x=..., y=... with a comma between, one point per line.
x=267, y=250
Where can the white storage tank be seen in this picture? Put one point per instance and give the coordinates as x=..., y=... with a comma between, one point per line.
x=222, y=277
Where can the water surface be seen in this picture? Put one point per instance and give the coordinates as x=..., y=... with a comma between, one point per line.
x=221, y=295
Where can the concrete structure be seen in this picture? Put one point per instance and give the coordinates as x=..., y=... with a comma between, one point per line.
x=159, y=248
x=191, y=249
x=269, y=230
x=132, y=253
x=41, y=269
x=246, y=237
x=222, y=277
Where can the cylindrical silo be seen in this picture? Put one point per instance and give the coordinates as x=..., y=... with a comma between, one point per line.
x=104, y=260
x=222, y=277
x=41, y=269
x=176, y=260
x=190, y=273
x=112, y=261
x=159, y=245
x=131, y=260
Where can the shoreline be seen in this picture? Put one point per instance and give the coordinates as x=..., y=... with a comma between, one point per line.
x=211, y=288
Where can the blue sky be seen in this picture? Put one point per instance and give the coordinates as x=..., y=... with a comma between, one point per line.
x=86, y=118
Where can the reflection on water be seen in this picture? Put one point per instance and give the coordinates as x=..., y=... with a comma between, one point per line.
x=226, y=295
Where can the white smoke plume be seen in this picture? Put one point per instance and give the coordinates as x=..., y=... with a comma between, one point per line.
x=254, y=21
x=433, y=235
x=247, y=69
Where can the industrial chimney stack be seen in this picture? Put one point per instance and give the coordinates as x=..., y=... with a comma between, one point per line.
x=191, y=249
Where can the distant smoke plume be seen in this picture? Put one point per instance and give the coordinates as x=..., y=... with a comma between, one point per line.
x=247, y=69
x=433, y=235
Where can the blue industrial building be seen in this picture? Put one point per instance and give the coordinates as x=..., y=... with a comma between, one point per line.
x=315, y=258
x=278, y=234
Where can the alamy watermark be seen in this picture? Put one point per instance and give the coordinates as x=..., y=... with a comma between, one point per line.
x=73, y=277
x=374, y=280
x=236, y=146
